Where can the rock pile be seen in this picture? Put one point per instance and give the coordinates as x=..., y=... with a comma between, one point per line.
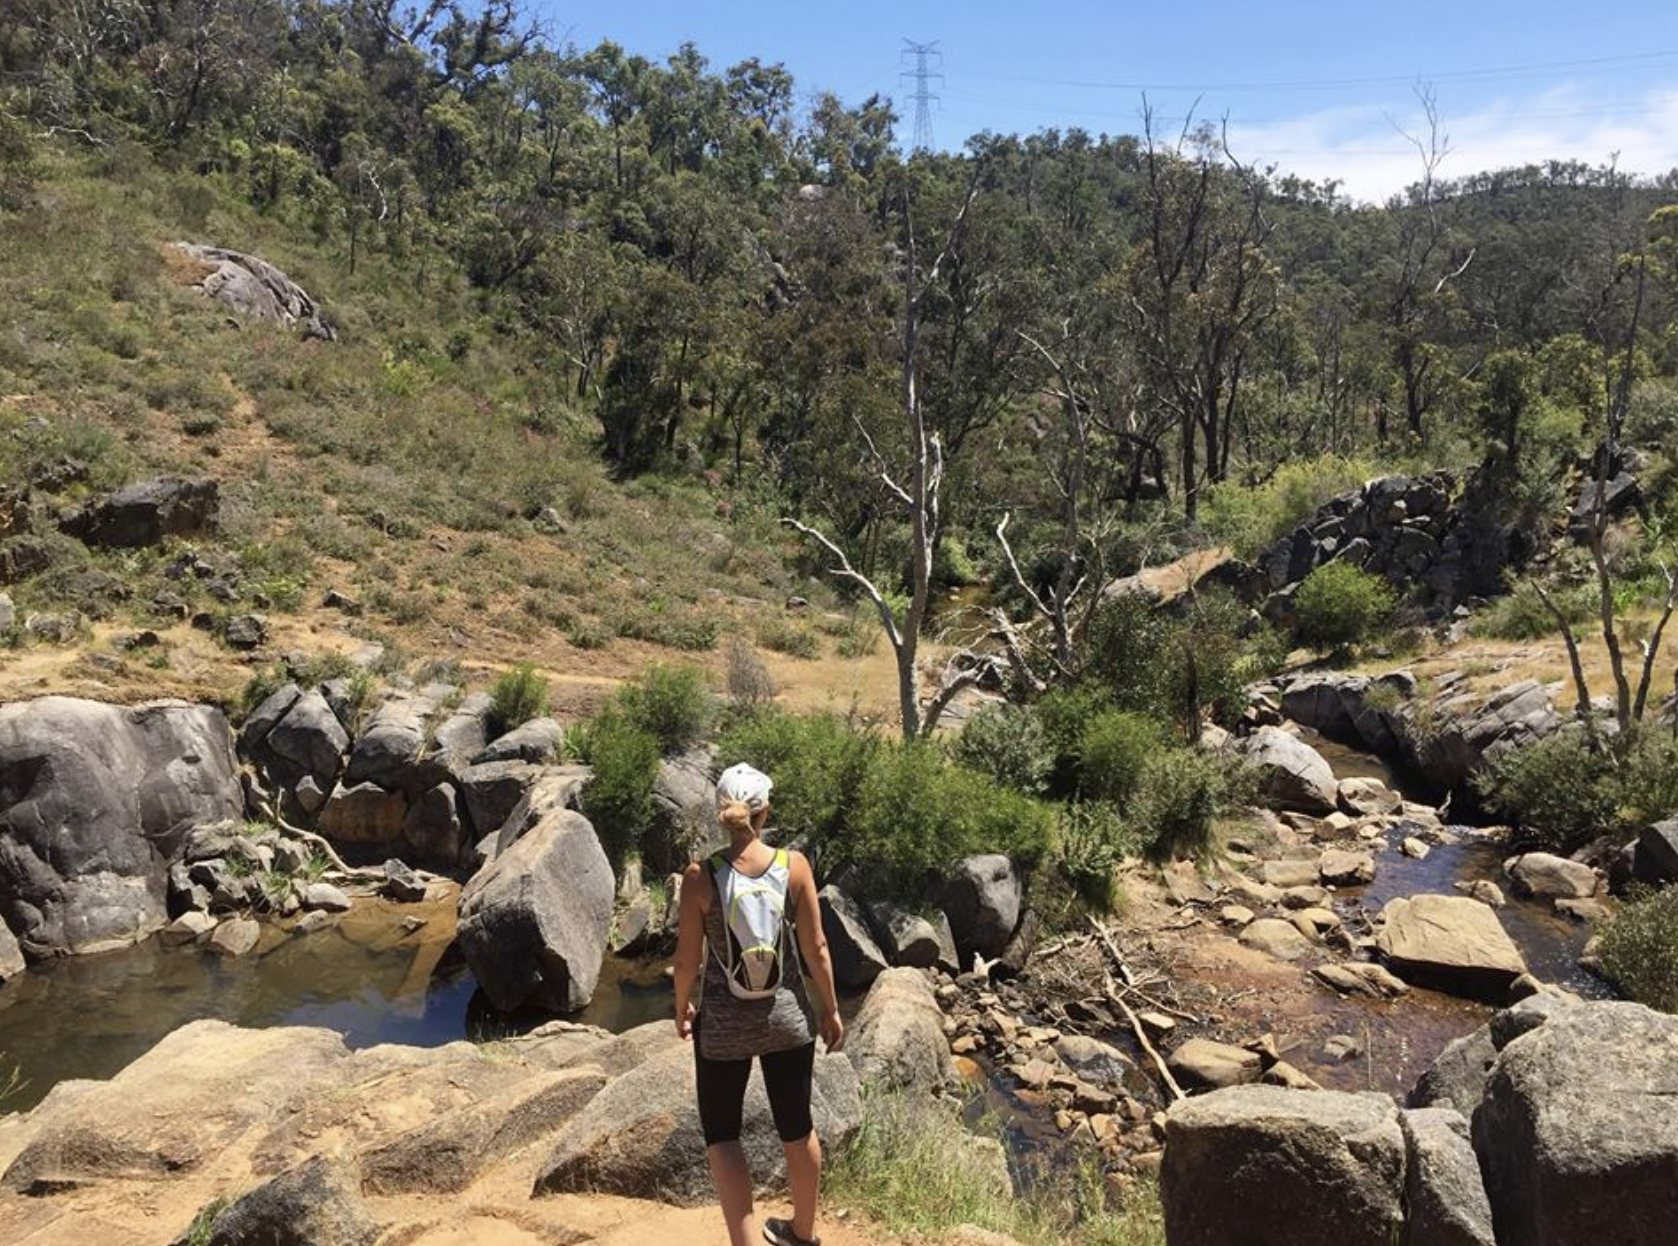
x=254, y=289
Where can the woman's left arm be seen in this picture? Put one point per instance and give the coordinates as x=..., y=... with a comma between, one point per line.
x=812, y=941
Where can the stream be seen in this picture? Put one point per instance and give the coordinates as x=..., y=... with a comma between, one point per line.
x=387, y=973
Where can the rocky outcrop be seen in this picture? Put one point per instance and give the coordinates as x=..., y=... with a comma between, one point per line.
x=1292, y=774
x=1444, y=1197
x=95, y=802
x=253, y=289
x=1452, y=943
x=982, y=900
x=640, y=1136
x=534, y=922
x=1577, y=1135
x=146, y=513
x=896, y=1041
x=1435, y=551
x=1442, y=743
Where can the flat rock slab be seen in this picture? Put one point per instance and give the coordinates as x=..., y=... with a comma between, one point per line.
x=1451, y=943
x=1205, y=1063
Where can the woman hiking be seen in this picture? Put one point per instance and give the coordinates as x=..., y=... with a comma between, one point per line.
x=746, y=912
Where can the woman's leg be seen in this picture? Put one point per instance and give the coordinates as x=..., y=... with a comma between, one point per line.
x=786, y=1077
x=722, y=1095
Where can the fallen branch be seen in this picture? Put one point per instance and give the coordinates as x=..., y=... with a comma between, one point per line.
x=1137, y=1028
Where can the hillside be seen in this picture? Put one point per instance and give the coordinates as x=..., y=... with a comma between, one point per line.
x=421, y=466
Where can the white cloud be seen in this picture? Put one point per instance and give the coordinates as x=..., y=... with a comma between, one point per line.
x=1364, y=149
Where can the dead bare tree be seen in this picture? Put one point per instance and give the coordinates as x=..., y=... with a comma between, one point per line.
x=920, y=498
x=1630, y=703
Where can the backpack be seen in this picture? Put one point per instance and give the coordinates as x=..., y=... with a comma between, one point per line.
x=754, y=917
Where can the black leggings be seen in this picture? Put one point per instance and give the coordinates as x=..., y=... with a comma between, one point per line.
x=722, y=1092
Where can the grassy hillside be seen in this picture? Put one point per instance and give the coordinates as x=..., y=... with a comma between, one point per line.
x=407, y=465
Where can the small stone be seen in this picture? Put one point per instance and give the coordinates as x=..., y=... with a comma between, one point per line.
x=1414, y=848
x=327, y=897
x=235, y=937
x=313, y=920
x=1236, y=914
x=247, y=631
x=1485, y=891
x=1342, y=1047
x=401, y=883
x=189, y=927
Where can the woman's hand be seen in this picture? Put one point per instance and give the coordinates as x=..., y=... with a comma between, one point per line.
x=833, y=1029
x=684, y=1021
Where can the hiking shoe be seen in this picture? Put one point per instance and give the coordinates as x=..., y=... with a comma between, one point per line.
x=779, y=1233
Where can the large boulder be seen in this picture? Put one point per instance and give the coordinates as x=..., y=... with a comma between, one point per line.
x=11, y=955
x=534, y=921
x=1544, y=874
x=388, y=750
x=1451, y=943
x=896, y=1041
x=308, y=742
x=908, y=938
x=1577, y=1134
x=253, y=289
x=1268, y=1166
x=1457, y=1076
x=857, y=959
x=1444, y=1196
x=684, y=825
x=1657, y=846
x=1292, y=774
x=981, y=899
x=95, y=800
x=640, y=1136
x=145, y=513
x=540, y=740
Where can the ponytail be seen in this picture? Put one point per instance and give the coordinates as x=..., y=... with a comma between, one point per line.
x=736, y=818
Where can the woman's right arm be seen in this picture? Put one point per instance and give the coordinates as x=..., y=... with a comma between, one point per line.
x=690, y=945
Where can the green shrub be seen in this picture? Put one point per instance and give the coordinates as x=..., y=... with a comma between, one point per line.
x=1339, y=606
x=670, y=703
x=1113, y=752
x=618, y=800
x=784, y=636
x=1523, y=616
x=1008, y=743
x=917, y=814
x=1647, y=786
x=516, y=697
x=1181, y=794
x=1557, y=792
x=1640, y=949
x=816, y=761
x=1093, y=839
x=1128, y=652
x=1250, y=519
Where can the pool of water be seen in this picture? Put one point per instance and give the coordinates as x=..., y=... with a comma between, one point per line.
x=375, y=977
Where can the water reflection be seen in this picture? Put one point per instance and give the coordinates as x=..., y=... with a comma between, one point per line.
x=384, y=974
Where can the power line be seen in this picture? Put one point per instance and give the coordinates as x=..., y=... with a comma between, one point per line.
x=929, y=65
x=1600, y=64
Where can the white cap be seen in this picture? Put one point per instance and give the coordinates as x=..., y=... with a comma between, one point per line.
x=744, y=784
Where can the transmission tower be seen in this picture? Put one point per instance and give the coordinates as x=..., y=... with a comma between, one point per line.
x=928, y=67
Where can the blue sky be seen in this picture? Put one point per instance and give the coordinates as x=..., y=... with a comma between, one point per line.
x=1320, y=89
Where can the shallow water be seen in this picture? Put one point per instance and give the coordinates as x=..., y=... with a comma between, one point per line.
x=367, y=977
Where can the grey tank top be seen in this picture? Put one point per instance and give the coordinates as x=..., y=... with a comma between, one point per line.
x=731, y=1028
